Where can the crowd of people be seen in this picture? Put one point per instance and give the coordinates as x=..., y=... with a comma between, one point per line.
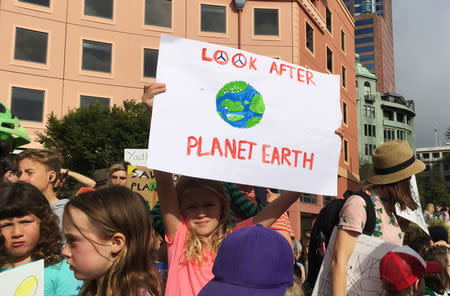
x=203, y=237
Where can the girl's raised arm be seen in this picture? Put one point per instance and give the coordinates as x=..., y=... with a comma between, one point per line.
x=276, y=208
x=170, y=209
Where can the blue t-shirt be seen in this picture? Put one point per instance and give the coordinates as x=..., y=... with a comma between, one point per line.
x=59, y=280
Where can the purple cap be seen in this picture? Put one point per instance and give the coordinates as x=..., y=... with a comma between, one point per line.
x=253, y=260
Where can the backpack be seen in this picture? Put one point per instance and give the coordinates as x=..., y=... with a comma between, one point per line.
x=327, y=219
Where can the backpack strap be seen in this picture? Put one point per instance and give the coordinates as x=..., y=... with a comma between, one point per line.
x=370, y=213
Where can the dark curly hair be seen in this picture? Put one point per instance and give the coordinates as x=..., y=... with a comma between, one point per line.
x=21, y=199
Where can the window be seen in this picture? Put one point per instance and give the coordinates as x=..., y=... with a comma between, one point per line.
x=368, y=148
x=343, y=41
x=266, y=22
x=329, y=59
x=31, y=46
x=27, y=104
x=345, y=150
x=389, y=134
x=401, y=135
x=344, y=77
x=369, y=130
x=363, y=31
x=45, y=3
x=308, y=198
x=363, y=22
x=213, y=18
x=426, y=155
x=400, y=117
x=150, y=62
x=364, y=49
x=99, y=8
x=88, y=100
x=96, y=56
x=436, y=155
x=389, y=115
x=328, y=20
x=364, y=40
x=309, y=37
x=344, y=112
x=367, y=58
x=158, y=13
x=367, y=88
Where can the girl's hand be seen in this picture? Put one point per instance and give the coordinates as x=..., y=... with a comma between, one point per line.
x=271, y=196
x=150, y=91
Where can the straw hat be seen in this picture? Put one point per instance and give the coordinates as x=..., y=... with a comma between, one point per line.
x=394, y=161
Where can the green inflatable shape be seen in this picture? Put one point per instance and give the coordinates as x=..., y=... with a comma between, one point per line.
x=11, y=130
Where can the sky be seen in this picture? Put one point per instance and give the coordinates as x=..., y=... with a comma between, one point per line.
x=422, y=63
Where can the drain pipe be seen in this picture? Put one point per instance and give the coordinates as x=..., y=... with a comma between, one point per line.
x=239, y=4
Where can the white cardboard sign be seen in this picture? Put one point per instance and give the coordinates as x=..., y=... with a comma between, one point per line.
x=363, y=272
x=27, y=279
x=239, y=117
x=137, y=157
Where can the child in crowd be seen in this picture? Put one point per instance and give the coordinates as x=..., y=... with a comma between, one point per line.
x=109, y=243
x=253, y=261
x=29, y=232
x=438, y=284
x=42, y=168
x=402, y=272
x=7, y=170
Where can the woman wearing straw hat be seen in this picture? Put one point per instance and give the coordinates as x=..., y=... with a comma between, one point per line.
x=393, y=165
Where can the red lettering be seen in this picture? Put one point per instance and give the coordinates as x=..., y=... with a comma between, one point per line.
x=275, y=156
x=296, y=152
x=229, y=148
x=300, y=77
x=264, y=154
x=282, y=68
x=190, y=144
x=285, y=152
x=290, y=70
x=221, y=57
x=273, y=68
x=199, y=150
x=243, y=62
x=252, y=64
x=216, y=146
x=309, y=76
x=250, y=149
x=305, y=160
x=204, y=57
x=241, y=149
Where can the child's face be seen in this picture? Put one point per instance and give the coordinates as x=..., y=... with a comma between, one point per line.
x=21, y=236
x=34, y=173
x=119, y=178
x=201, y=211
x=88, y=255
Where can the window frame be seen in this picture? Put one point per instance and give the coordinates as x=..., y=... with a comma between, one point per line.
x=264, y=36
x=344, y=113
x=143, y=62
x=343, y=39
x=29, y=87
x=95, y=97
x=313, y=38
x=212, y=33
x=31, y=63
x=344, y=77
x=346, y=151
x=330, y=14
x=96, y=18
x=97, y=73
x=332, y=59
x=34, y=5
x=156, y=27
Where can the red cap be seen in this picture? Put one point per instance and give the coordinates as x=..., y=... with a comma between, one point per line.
x=403, y=266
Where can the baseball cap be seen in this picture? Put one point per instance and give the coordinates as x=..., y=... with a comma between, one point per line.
x=403, y=266
x=253, y=260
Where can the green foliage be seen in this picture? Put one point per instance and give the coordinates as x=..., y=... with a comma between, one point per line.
x=432, y=187
x=95, y=136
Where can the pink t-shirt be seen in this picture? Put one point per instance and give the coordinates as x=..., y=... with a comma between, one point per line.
x=188, y=278
x=353, y=217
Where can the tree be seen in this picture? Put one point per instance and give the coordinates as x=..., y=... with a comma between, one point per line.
x=432, y=187
x=95, y=136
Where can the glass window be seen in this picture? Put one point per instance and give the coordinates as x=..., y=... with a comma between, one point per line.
x=97, y=56
x=363, y=31
x=213, y=18
x=158, y=13
x=374, y=128
x=31, y=46
x=45, y=3
x=329, y=60
x=426, y=155
x=150, y=62
x=389, y=115
x=400, y=117
x=309, y=37
x=346, y=150
x=266, y=21
x=99, y=8
x=328, y=20
x=436, y=155
x=364, y=49
x=367, y=88
x=308, y=198
x=363, y=22
x=367, y=58
x=88, y=100
x=343, y=41
x=365, y=130
x=364, y=40
x=344, y=77
x=344, y=112
x=27, y=104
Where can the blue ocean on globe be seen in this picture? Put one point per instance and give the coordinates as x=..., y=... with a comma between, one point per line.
x=239, y=104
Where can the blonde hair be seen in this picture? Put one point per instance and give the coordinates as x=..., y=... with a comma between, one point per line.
x=430, y=208
x=194, y=246
x=114, y=210
x=51, y=159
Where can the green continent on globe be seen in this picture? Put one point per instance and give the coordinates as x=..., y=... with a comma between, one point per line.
x=232, y=117
x=253, y=121
x=233, y=87
x=232, y=106
x=257, y=105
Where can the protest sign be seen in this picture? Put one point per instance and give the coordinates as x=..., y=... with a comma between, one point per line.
x=363, y=273
x=415, y=216
x=142, y=180
x=27, y=279
x=137, y=157
x=239, y=117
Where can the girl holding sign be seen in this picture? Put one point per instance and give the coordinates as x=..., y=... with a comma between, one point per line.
x=393, y=165
x=29, y=232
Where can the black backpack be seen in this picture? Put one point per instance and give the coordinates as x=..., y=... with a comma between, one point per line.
x=327, y=219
